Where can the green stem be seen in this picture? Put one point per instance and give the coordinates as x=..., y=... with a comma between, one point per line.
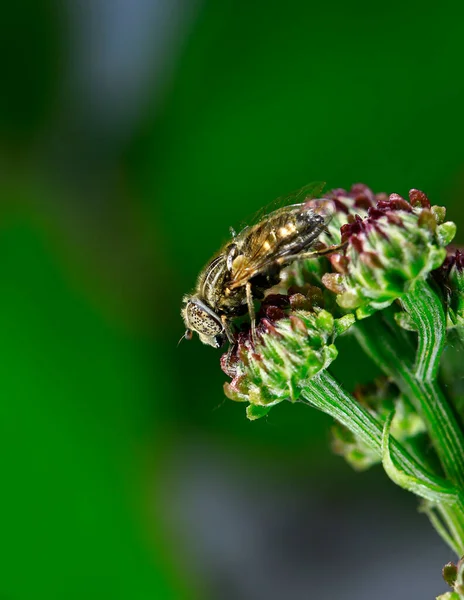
x=444, y=525
x=394, y=360
x=324, y=393
x=453, y=517
x=426, y=310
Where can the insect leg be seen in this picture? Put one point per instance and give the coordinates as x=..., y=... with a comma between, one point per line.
x=285, y=260
x=251, y=311
x=228, y=366
x=327, y=232
x=227, y=329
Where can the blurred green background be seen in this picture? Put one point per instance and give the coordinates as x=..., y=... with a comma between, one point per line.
x=133, y=134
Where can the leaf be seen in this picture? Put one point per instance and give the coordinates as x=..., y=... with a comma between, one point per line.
x=437, y=493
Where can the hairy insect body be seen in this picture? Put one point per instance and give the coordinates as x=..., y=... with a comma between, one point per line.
x=249, y=265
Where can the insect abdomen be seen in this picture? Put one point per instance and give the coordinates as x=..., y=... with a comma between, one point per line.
x=294, y=232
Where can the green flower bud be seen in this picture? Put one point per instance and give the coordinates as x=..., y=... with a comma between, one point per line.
x=289, y=351
x=397, y=244
x=359, y=200
x=450, y=277
x=342, y=205
x=450, y=573
x=454, y=577
x=357, y=454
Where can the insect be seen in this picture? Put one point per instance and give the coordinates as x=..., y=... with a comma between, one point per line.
x=251, y=262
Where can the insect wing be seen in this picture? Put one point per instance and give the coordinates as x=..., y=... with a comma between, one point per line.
x=323, y=207
x=284, y=232
x=305, y=194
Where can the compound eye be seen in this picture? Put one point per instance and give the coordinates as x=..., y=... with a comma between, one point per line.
x=188, y=334
x=202, y=321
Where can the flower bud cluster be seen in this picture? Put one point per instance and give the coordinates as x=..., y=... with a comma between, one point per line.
x=341, y=205
x=290, y=350
x=395, y=245
x=388, y=243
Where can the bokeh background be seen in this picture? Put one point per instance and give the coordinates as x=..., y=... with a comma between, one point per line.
x=133, y=133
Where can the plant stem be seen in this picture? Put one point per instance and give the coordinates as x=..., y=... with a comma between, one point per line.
x=454, y=519
x=446, y=526
x=426, y=310
x=425, y=395
x=324, y=393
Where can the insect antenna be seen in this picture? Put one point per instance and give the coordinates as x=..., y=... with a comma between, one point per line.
x=187, y=336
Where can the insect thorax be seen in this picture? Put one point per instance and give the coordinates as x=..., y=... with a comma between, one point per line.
x=214, y=289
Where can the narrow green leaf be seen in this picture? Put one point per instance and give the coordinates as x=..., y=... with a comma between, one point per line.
x=438, y=493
